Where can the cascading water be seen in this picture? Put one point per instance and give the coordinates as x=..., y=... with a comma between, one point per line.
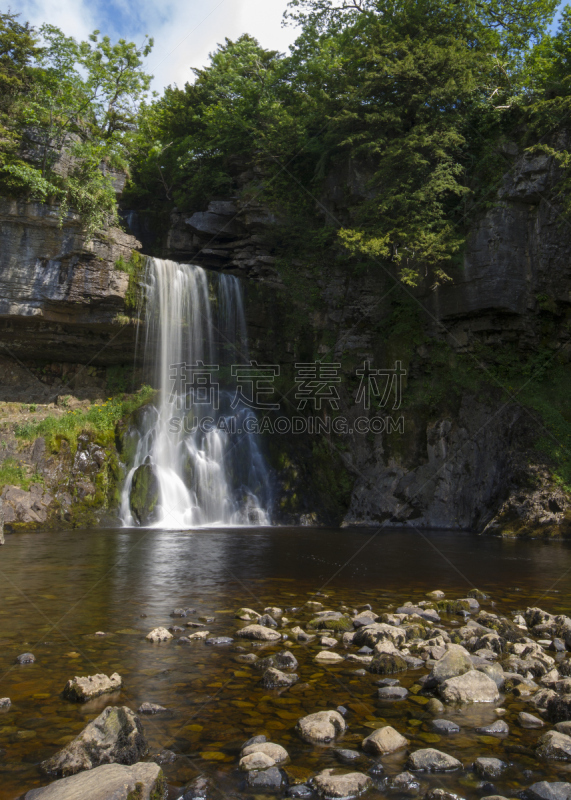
x=201, y=474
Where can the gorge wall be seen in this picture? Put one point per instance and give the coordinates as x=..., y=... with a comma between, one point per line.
x=470, y=455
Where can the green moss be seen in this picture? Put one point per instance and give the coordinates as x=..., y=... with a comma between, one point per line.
x=325, y=623
x=452, y=606
x=100, y=421
x=137, y=792
x=160, y=789
x=135, y=268
x=12, y=473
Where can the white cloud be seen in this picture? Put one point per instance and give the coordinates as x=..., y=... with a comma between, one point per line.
x=185, y=31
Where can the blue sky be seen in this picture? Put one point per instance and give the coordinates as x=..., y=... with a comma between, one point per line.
x=185, y=31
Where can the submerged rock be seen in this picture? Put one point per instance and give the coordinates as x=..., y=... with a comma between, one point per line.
x=115, y=736
x=150, y=708
x=498, y=728
x=25, y=658
x=143, y=781
x=322, y=727
x=274, y=678
x=489, y=768
x=82, y=689
x=444, y=726
x=158, y=635
x=198, y=789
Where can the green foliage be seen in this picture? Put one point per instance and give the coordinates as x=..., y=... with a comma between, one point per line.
x=100, y=420
x=12, y=473
x=135, y=268
x=72, y=102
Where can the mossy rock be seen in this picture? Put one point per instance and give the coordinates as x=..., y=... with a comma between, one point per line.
x=452, y=606
x=331, y=624
x=415, y=631
x=477, y=594
x=387, y=664
x=144, y=495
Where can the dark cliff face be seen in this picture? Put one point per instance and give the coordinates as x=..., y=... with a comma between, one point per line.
x=466, y=457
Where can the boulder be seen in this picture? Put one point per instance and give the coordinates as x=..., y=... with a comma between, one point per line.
x=456, y=661
x=265, y=780
x=387, y=664
x=558, y=790
x=392, y=693
x=247, y=615
x=322, y=727
x=336, y=783
x=144, y=495
x=82, y=689
x=115, y=736
x=404, y=783
x=379, y=632
x=554, y=745
x=327, y=657
x=431, y=760
x=259, y=633
x=256, y=760
x=497, y=728
x=144, y=781
x=384, y=740
x=285, y=660
x=444, y=726
x=471, y=687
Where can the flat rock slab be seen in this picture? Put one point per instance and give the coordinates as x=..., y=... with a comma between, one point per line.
x=322, y=727
x=259, y=633
x=333, y=783
x=108, y=782
x=384, y=740
x=431, y=760
x=83, y=689
x=115, y=736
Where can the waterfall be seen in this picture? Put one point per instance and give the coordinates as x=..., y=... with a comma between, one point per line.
x=200, y=474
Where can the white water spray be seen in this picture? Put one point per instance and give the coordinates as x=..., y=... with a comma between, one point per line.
x=207, y=477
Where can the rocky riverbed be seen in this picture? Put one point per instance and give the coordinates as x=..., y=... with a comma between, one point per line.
x=270, y=687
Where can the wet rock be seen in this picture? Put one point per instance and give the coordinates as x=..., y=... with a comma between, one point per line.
x=322, y=727
x=541, y=698
x=158, y=635
x=429, y=614
x=495, y=672
x=554, y=745
x=558, y=790
x=164, y=757
x=364, y=618
x=472, y=687
x=529, y=720
x=384, y=740
x=558, y=707
x=150, y=708
x=489, y=768
x=267, y=621
x=327, y=641
x=181, y=612
x=347, y=756
x=260, y=739
x=198, y=789
x=286, y=660
x=5, y=703
x=392, y=693
x=443, y=794
x=456, y=661
x=564, y=727
x=387, y=664
x=197, y=636
x=218, y=640
x=175, y=629
x=434, y=706
x=144, y=781
x=302, y=791
x=25, y=658
x=332, y=783
x=247, y=615
x=430, y=760
x=144, y=495
x=82, y=689
x=256, y=760
x=274, y=678
x=115, y=736
x=444, y=726
x=276, y=752
x=269, y=780
x=498, y=728
x=259, y=633
x=404, y=783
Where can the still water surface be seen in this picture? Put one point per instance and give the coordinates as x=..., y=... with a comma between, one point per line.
x=58, y=590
